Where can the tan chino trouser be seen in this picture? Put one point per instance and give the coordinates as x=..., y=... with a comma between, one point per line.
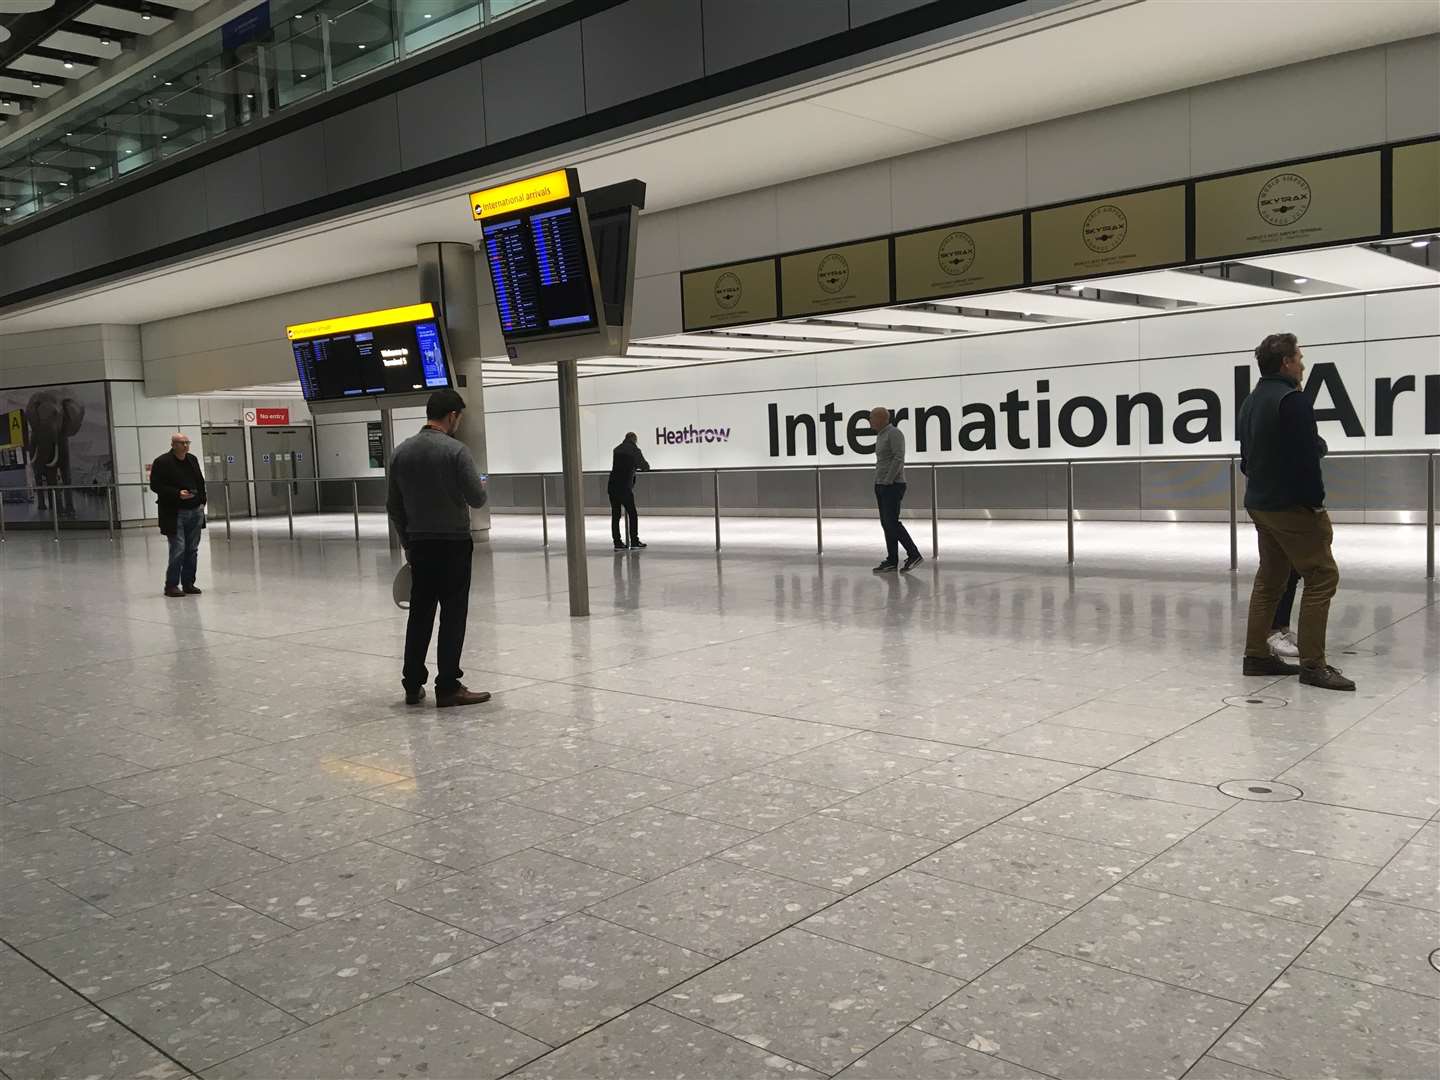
x=1299, y=537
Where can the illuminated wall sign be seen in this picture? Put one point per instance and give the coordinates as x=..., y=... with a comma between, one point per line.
x=1316, y=202
x=729, y=295
x=368, y=320
x=523, y=194
x=1415, y=187
x=956, y=259
x=1103, y=236
x=835, y=279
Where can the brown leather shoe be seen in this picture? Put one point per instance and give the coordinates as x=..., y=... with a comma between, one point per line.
x=1326, y=678
x=173, y=590
x=461, y=695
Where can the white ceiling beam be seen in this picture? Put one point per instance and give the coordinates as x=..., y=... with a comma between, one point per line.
x=130, y=21
x=1068, y=307
x=1353, y=267
x=56, y=69
x=82, y=44
x=1196, y=288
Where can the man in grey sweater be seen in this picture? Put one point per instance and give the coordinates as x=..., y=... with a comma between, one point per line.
x=890, y=492
x=433, y=484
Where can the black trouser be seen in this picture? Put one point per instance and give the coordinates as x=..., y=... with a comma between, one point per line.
x=440, y=575
x=1287, y=603
x=623, y=500
x=889, y=497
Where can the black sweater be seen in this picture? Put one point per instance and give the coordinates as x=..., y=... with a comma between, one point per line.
x=1280, y=448
x=168, y=476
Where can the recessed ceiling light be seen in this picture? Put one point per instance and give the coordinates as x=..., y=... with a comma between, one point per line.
x=164, y=136
x=67, y=63
x=168, y=82
x=1419, y=243
x=145, y=14
x=427, y=15
x=250, y=96
x=64, y=183
x=35, y=83
x=303, y=75
x=92, y=168
x=209, y=116
x=129, y=151
x=362, y=46
x=1077, y=288
x=104, y=41
x=1301, y=280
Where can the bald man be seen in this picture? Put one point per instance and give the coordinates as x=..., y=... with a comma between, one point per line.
x=179, y=487
x=890, y=492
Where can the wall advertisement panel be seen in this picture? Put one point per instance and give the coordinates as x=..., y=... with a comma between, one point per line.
x=54, y=436
x=1415, y=187
x=839, y=278
x=1314, y=202
x=956, y=259
x=1122, y=233
x=1000, y=398
x=729, y=295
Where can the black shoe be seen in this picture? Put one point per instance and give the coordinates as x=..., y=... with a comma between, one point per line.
x=416, y=696
x=912, y=561
x=1326, y=677
x=638, y=544
x=886, y=568
x=1268, y=665
x=621, y=547
x=191, y=590
x=460, y=696
x=173, y=590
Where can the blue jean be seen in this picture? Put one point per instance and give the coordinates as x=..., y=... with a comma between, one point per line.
x=184, y=548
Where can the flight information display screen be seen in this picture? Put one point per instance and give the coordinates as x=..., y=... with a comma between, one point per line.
x=396, y=358
x=541, y=273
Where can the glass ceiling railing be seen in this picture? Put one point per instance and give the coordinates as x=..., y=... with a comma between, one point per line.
x=205, y=90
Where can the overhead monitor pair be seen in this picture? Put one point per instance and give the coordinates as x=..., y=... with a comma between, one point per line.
x=562, y=264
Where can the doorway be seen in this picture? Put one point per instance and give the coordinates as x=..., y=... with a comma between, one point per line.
x=225, y=460
x=282, y=458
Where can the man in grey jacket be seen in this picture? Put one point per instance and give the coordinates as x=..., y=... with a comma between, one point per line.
x=890, y=492
x=433, y=484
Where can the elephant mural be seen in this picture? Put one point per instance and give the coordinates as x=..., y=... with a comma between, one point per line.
x=53, y=421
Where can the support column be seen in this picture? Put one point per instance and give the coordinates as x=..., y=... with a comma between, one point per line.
x=572, y=463
x=447, y=280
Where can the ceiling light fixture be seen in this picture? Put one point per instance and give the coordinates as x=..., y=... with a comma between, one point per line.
x=303, y=75
x=35, y=83
x=92, y=168
x=362, y=46
x=1301, y=280
x=1419, y=243
x=209, y=116
x=105, y=42
x=1077, y=288
x=145, y=14
x=427, y=15
x=67, y=63
x=64, y=183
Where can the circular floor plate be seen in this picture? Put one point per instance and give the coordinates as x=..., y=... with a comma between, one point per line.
x=1260, y=790
x=1435, y=959
x=1256, y=701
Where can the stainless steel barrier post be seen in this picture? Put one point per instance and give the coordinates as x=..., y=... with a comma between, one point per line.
x=715, y=492
x=1234, y=520
x=110, y=513
x=290, y=510
x=819, y=528
x=318, y=509
x=934, y=514
x=544, y=514
x=225, y=486
x=1070, y=512
x=1430, y=516
x=55, y=513
x=355, y=502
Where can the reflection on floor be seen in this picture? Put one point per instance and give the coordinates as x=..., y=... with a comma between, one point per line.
x=761, y=815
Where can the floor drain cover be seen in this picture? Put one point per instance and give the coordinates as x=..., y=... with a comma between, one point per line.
x=1256, y=701
x=1260, y=790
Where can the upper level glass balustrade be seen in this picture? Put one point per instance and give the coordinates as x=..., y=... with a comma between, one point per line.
x=202, y=91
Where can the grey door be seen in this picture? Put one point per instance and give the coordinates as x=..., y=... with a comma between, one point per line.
x=225, y=460
x=283, y=458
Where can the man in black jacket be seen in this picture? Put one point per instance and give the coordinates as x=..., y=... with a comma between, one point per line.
x=176, y=479
x=624, y=464
x=1280, y=450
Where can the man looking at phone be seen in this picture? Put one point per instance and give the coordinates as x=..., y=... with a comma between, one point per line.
x=433, y=484
x=179, y=485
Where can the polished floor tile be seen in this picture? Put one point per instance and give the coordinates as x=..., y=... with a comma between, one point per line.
x=820, y=1002
x=757, y=816
x=1069, y=1018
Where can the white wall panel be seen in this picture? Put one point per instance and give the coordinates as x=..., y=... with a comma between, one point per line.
x=846, y=205
x=1127, y=146
x=1403, y=313
x=1339, y=318
x=657, y=249
x=1412, y=88
x=1330, y=104
x=743, y=226
x=122, y=403
x=963, y=180
x=656, y=309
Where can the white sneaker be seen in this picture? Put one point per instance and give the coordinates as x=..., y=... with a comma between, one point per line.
x=1282, y=643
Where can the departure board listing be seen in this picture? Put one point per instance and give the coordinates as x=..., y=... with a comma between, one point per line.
x=397, y=358
x=541, y=272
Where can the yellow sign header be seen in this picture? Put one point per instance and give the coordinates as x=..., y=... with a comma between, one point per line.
x=364, y=321
x=521, y=194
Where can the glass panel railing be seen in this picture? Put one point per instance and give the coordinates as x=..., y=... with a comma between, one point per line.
x=205, y=90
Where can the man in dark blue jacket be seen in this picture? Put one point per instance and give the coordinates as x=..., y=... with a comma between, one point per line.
x=1280, y=450
x=624, y=464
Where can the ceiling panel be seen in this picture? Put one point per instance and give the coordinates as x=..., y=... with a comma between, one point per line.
x=1354, y=267
x=1196, y=288
x=83, y=44
x=1040, y=303
x=130, y=21
x=899, y=316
